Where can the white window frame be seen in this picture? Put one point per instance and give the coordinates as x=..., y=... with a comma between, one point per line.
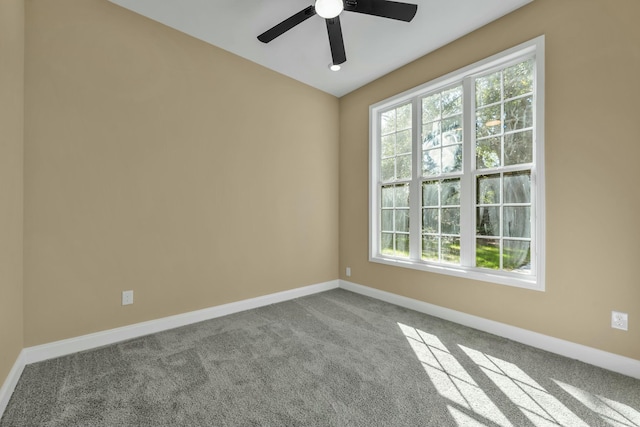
x=535, y=280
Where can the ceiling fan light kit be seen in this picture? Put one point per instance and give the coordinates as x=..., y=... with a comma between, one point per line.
x=330, y=10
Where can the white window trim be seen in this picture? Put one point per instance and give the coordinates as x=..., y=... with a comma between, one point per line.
x=535, y=281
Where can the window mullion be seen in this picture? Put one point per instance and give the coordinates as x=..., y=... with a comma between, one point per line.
x=415, y=237
x=467, y=205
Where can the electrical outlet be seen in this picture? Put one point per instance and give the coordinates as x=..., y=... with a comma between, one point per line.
x=348, y=271
x=619, y=320
x=127, y=297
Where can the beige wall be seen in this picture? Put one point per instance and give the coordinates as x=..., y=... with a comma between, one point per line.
x=592, y=152
x=11, y=149
x=158, y=163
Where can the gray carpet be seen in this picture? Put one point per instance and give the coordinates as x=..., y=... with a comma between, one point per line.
x=331, y=359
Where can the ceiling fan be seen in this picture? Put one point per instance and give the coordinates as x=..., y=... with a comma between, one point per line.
x=330, y=11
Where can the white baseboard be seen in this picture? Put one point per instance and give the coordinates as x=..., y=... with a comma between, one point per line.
x=593, y=356
x=86, y=342
x=10, y=383
x=603, y=359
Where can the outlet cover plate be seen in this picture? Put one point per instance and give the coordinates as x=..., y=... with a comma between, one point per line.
x=127, y=297
x=619, y=320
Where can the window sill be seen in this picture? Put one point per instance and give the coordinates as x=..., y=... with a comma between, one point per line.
x=509, y=279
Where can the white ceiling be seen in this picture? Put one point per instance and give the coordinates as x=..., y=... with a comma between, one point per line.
x=374, y=46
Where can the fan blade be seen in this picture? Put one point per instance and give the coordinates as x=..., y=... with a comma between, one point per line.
x=335, y=40
x=287, y=24
x=384, y=8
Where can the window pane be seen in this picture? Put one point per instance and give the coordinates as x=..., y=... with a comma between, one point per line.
x=488, y=189
x=450, y=192
x=431, y=108
x=488, y=89
x=452, y=101
x=488, y=253
x=517, y=187
x=395, y=144
x=403, y=142
x=430, y=193
x=517, y=221
x=518, y=79
x=386, y=222
x=394, y=220
x=430, y=248
x=388, y=145
x=488, y=121
x=518, y=113
x=451, y=249
x=441, y=217
x=488, y=221
x=451, y=220
x=488, y=153
x=387, y=196
x=452, y=158
x=452, y=130
x=431, y=162
x=430, y=220
x=518, y=148
x=403, y=166
x=517, y=256
x=403, y=117
x=388, y=122
x=402, y=245
x=431, y=135
x=402, y=220
x=387, y=169
x=402, y=196
x=386, y=243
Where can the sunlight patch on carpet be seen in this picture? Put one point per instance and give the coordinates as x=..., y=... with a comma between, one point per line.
x=613, y=413
x=541, y=407
x=452, y=381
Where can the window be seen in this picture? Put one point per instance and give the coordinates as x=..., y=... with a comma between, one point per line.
x=457, y=172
